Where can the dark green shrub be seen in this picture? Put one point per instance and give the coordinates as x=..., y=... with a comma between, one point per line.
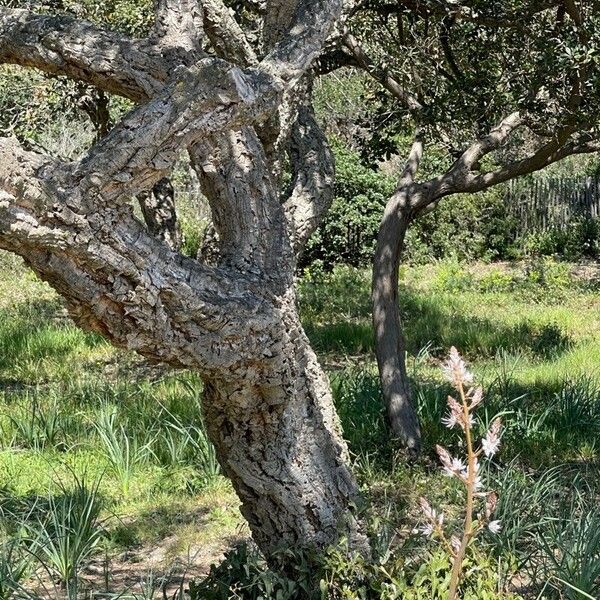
x=349, y=232
x=467, y=226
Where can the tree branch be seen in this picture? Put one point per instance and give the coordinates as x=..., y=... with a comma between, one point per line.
x=236, y=179
x=408, y=99
x=313, y=179
x=122, y=282
x=303, y=39
x=178, y=29
x=226, y=36
x=207, y=98
x=81, y=51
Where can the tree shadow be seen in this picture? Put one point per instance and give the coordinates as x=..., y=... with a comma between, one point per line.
x=36, y=330
x=438, y=326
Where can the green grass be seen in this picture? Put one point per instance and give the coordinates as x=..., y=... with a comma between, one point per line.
x=72, y=409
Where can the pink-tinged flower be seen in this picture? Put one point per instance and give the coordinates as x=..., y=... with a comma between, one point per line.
x=445, y=458
x=450, y=420
x=435, y=518
x=425, y=530
x=491, y=442
x=495, y=526
x=456, y=371
x=455, y=543
x=426, y=508
x=456, y=415
x=490, y=504
x=477, y=397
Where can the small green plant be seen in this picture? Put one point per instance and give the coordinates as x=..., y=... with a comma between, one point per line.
x=38, y=427
x=545, y=275
x=495, y=281
x=123, y=453
x=570, y=545
x=453, y=277
x=244, y=574
x=68, y=533
x=15, y=567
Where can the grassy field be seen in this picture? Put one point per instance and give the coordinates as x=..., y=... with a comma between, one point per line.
x=106, y=476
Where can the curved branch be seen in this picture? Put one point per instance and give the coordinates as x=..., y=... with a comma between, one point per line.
x=390, y=346
x=207, y=98
x=77, y=49
x=226, y=36
x=122, y=282
x=363, y=60
x=313, y=167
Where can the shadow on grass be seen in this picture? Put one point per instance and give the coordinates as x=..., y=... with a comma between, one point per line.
x=37, y=330
x=545, y=423
x=429, y=321
x=157, y=524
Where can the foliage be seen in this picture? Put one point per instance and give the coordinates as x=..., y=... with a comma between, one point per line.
x=349, y=231
x=467, y=226
x=68, y=532
x=579, y=239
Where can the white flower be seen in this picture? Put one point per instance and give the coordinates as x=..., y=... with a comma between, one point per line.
x=491, y=442
x=477, y=397
x=450, y=420
x=490, y=447
x=425, y=530
x=455, y=543
x=456, y=468
x=494, y=526
x=456, y=371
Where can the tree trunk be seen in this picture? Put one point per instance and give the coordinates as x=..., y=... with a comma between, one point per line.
x=390, y=346
x=278, y=439
x=267, y=403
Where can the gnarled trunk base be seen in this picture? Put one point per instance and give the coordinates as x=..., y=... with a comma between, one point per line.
x=278, y=439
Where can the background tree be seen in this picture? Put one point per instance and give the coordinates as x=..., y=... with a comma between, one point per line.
x=235, y=103
x=519, y=78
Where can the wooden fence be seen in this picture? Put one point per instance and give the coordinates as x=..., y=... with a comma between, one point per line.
x=544, y=204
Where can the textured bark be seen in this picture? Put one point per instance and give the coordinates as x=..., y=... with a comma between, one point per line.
x=313, y=177
x=267, y=402
x=280, y=443
x=81, y=51
x=158, y=208
x=390, y=346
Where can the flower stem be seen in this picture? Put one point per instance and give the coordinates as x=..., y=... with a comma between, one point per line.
x=468, y=525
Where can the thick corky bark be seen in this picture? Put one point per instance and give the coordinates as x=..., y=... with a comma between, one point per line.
x=267, y=402
x=158, y=208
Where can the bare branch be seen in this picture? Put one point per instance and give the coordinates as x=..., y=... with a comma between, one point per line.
x=408, y=99
x=81, y=51
x=178, y=29
x=235, y=177
x=303, y=40
x=278, y=17
x=412, y=163
x=207, y=98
